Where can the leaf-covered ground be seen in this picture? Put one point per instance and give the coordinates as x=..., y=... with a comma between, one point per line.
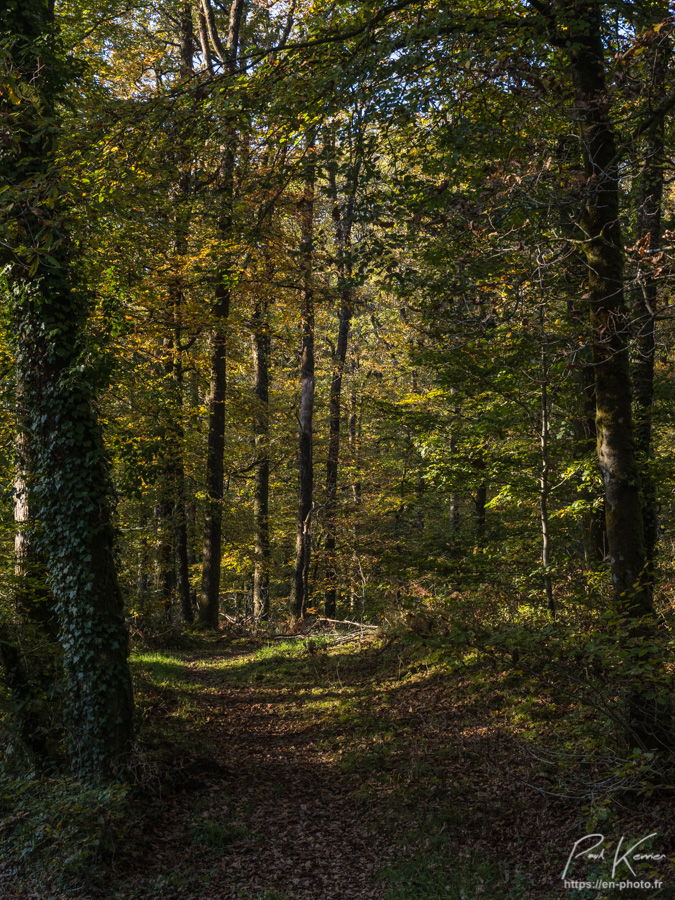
x=374, y=769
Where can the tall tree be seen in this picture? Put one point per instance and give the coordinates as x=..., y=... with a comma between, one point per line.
x=648, y=243
x=578, y=25
x=261, y=488
x=343, y=203
x=227, y=53
x=70, y=486
x=303, y=542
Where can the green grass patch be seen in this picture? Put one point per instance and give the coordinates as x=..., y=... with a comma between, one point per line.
x=162, y=669
x=214, y=835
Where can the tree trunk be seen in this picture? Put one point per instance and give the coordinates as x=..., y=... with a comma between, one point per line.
x=544, y=486
x=180, y=518
x=71, y=490
x=648, y=243
x=342, y=220
x=261, y=354
x=300, y=585
x=33, y=599
x=603, y=247
x=213, y=519
x=479, y=506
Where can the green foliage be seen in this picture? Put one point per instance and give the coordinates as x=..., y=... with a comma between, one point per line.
x=432, y=869
x=61, y=827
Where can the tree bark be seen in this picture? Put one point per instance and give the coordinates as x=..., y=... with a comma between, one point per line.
x=648, y=243
x=213, y=519
x=300, y=586
x=544, y=484
x=599, y=223
x=180, y=517
x=600, y=226
x=354, y=429
x=342, y=221
x=261, y=355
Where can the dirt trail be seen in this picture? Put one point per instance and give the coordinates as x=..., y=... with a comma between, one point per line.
x=272, y=789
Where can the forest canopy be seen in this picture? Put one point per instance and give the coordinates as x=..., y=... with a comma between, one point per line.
x=327, y=315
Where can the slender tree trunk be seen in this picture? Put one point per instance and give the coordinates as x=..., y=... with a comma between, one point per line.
x=261, y=525
x=354, y=428
x=480, y=502
x=300, y=585
x=213, y=518
x=228, y=53
x=342, y=220
x=180, y=518
x=180, y=506
x=648, y=242
x=544, y=486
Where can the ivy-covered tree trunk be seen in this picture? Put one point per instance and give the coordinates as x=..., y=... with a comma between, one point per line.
x=33, y=600
x=70, y=486
x=261, y=487
x=300, y=585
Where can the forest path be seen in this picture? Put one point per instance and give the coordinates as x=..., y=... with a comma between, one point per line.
x=289, y=770
x=393, y=768
x=258, y=803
